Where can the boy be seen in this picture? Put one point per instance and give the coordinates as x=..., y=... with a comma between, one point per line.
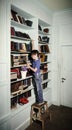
x=35, y=68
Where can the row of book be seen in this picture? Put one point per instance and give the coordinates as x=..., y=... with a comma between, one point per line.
x=21, y=47
x=21, y=85
x=46, y=30
x=45, y=76
x=20, y=19
x=18, y=59
x=44, y=68
x=19, y=34
x=44, y=39
x=44, y=48
x=16, y=73
x=20, y=99
x=43, y=57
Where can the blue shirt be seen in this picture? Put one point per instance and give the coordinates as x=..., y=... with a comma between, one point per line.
x=36, y=64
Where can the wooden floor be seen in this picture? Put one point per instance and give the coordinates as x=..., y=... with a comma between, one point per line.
x=61, y=119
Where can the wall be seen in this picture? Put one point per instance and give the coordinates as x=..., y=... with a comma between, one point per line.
x=14, y=120
x=35, y=8
x=4, y=62
x=61, y=20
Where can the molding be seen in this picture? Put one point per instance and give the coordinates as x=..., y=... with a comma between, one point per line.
x=24, y=125
x=5, y=118
x=55, y=103
x=49, y=103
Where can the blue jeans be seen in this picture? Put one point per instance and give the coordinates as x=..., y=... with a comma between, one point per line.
x=36, y=80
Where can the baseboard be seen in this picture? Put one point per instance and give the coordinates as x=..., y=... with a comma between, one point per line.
x=5, y=119
x=55, y=103
x=24, y=125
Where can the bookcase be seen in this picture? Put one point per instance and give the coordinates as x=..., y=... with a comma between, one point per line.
x=22, y=42
x=44, y=49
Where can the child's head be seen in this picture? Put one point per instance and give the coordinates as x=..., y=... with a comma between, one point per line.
x=34, y=54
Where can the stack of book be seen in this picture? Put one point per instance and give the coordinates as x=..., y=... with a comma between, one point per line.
x=43, y=57
x=18, y=59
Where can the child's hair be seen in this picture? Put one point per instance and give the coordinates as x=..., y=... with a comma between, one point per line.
x=34, y=52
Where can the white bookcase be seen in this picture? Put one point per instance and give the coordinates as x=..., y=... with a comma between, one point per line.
x=17, y=37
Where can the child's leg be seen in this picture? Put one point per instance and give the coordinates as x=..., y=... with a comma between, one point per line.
x=38, y=88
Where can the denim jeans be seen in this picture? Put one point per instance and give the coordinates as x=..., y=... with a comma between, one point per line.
x=36, y=80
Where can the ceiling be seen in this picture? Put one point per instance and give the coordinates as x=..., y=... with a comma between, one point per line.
x=57, y=5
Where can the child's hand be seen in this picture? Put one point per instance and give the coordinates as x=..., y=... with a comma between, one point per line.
x=28, y=65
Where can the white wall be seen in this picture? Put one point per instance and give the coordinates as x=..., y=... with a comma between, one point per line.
x=4, y=61
x=35, y=8
x=14, y=120
x=61, y=21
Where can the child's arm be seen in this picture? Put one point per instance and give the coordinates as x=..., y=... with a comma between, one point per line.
x=33, y=69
